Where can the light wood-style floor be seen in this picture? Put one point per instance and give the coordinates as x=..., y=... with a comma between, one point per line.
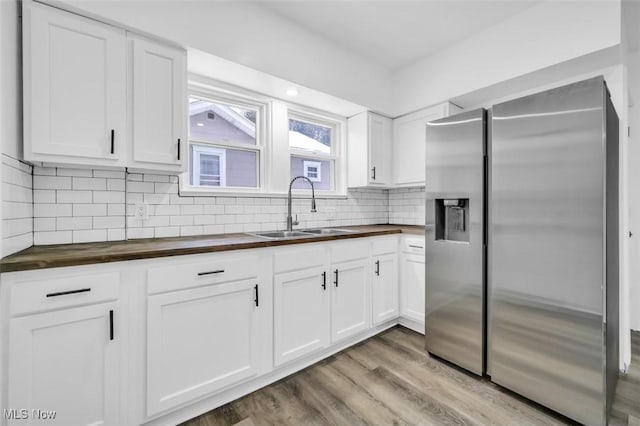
x=391, y=380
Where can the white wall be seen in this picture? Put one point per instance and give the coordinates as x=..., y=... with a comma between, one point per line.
x=542, y=36
x=251, y=35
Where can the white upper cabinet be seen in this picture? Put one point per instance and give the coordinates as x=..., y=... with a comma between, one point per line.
x=74, y=89
x=159, y=105
x=369, y=150
x=89, y=101
x=409, y=137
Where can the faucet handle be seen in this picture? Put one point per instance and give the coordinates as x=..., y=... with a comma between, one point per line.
x=295, y=221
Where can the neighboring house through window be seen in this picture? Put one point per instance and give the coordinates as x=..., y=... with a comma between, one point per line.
x=311, y=144
x=225, y=148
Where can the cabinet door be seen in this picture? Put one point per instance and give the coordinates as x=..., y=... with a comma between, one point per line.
x=200, y=341
x=67, y=361
x=384, y=288
x=379, y=150
x=413, y=287
x=350, y=298
x=301, y=313
x=74, y=88
x=159, y=104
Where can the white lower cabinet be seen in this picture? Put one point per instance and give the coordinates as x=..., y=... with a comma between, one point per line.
x=301, y=313
x=66, y=361
x=204, y=339
x=413, y=283
x=384, y=288
x=350, y=303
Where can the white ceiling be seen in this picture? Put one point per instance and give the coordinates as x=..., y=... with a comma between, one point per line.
x=396, y=33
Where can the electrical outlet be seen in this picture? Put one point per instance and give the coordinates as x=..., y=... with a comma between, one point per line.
x=141, y=211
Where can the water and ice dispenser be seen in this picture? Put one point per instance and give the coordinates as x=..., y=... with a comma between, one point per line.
x=452, y=219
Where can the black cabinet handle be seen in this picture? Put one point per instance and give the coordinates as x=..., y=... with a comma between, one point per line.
x=413, y=246
x=217, y=271
x=113, y=135
x=336, y=281
x=178, y=149
x=111, y=324
x=373, y=173
x=324, y=280
x=377, y=267
x=64, y=293
x=256, y=300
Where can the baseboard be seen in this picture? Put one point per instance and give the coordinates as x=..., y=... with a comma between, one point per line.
x=237, y=391
x=412, y=324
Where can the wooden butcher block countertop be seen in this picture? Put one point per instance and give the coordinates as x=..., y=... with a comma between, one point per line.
x=55, y=256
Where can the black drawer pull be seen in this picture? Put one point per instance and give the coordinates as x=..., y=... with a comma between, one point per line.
x=111, y=324
x=113, y=134
x=336, y=281
x=413, y=246
x=377, y=267
x=217, y=271
x=373, y=173
x=178, y=149
x=257, y=295
x=64, y=293
x=324, y=280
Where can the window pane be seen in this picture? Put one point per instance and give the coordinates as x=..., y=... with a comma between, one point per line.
x=223, y=167
x=318, y=171
x=217, y=122
x=309, y=138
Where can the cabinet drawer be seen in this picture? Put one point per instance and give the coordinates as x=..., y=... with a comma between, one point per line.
x=350, y=250
x=413, y=245
x=384, y=245
x=298, y=258
x=195, y=274
x=63, y=292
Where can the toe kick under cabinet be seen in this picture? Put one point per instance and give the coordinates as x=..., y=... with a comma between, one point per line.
x=159, y=341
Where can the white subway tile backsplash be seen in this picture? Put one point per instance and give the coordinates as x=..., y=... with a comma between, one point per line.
x=51, y=182
x=94, y=184
x=98, y=205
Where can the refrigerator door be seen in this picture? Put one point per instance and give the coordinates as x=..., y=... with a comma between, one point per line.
x=547, y=240
x=454, y=319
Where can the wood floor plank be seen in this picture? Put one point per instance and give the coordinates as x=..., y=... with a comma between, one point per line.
x=390, y=379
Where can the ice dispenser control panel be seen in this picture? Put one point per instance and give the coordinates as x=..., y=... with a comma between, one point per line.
x=452, y=219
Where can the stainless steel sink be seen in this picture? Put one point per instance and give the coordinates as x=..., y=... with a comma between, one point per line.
x=279, y=235
x=327, y=231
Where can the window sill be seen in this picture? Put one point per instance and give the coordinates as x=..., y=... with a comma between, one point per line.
x=190, y=191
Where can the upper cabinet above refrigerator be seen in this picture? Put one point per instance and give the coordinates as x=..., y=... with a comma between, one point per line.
x=90, y=101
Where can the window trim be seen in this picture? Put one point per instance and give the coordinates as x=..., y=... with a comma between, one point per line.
x=272, y=142
x=337, y=155
x=210, y=94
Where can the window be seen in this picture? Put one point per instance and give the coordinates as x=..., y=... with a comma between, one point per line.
x=225, y=148
x=313, y=171
x=311, y=144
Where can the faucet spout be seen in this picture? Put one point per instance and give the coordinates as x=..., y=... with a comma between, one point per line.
x=290, y=221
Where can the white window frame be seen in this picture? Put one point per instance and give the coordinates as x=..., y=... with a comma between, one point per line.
x=337, y=156
x=317, y=165
x=198, y=150
x=210, y=94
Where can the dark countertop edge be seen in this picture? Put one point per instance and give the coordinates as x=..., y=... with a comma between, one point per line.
x=13, y=263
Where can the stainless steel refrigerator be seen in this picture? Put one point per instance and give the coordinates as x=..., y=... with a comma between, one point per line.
x=455, y=239
x=553, y=239
x=547, y=326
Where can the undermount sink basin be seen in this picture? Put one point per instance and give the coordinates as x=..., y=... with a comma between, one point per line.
x=328, y=231
x=281, y=234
